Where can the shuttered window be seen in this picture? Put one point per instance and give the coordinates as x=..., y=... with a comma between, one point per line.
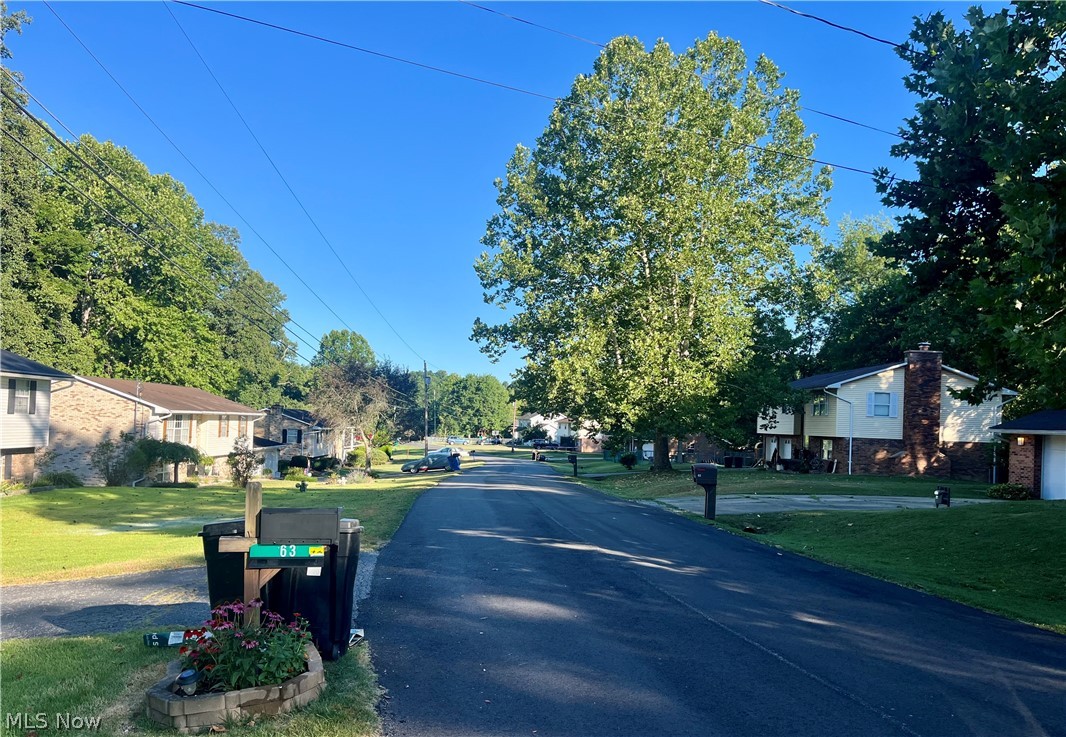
x=882, y=404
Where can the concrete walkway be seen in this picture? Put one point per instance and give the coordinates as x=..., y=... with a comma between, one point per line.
x=768, y=503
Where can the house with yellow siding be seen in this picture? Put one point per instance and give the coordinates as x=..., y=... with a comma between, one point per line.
x=89, y=410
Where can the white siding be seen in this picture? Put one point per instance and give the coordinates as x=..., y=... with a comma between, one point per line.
x=883, y=428
x=206, y=439
x=22, y=430
x=961, y=422
x=822, y=426
x=783, y=423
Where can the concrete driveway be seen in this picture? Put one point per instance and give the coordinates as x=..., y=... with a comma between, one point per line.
x=767, y=503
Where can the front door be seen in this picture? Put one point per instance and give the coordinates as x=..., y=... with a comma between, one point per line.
x=1053, y=468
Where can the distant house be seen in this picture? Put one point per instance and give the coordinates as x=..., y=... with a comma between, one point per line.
x=1038, y=452
x=88, y=410
x=26, y=388
x=562, y=430
x=301, y=433
x=895, y=418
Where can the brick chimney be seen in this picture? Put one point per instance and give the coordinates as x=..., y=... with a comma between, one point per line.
x=921, y=409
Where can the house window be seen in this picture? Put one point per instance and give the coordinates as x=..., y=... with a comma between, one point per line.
x=21, y=397
x=178, y=429
x=820, y=406
x=827, y=449
x=223, y=426
x=242, y=426
x=882, y=404
x=292, y=436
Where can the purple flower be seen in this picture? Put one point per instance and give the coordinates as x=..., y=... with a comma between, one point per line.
x=251, y=644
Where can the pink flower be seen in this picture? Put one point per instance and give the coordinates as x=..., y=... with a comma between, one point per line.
x=251, y=644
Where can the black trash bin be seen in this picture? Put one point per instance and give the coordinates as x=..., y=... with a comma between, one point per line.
x=327, y=598
x=225, y=571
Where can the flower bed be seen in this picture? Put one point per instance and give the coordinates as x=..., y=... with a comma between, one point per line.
x=238, y=666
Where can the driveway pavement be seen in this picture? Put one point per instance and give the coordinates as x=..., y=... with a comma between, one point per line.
x=514, y=602
x=767, y=503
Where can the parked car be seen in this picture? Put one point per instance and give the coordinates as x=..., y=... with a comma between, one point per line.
x=450, y=449
x=456, y=440
x=432, y=462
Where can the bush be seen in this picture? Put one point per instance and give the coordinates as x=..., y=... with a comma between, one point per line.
x=628, y=460
x=300, y=461
x=1013, y=492
x=236, y=656
x=62, y=479
x=243, y=462
x=175, y=485
x=325, y=463
x=295, y=473
x=357, y=457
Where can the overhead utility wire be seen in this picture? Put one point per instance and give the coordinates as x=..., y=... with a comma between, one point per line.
x=285, y=181
x=597, y=44
x=268, y=309
x=903, y=47
x=118, y=221
x=504, y=86
x=197, y=170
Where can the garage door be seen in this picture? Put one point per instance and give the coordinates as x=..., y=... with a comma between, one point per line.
x=1053, y=468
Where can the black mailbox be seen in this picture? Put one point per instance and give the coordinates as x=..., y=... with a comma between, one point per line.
x=942, y=495
x=706, y=475
x=572, y=458
x=308, y=526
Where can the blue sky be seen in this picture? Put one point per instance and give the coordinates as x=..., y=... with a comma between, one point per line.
x=395, y=163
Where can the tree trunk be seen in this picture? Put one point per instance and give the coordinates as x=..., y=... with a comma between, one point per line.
x=175, y=473
x=661, y=460
x=369, y=450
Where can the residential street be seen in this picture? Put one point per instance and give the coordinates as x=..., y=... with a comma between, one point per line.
x=512, y=601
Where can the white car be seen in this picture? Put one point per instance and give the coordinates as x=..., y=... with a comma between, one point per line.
x=451, y=450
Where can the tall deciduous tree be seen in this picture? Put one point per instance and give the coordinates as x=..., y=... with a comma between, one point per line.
x=339, y=346
x=349, y=394
x=665, y=192
x=984, y=228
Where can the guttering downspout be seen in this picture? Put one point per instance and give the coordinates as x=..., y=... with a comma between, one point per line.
x=851, y=422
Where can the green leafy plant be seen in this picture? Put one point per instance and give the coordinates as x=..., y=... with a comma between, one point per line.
x=243, y=462
x=112, y=459
x=295, y=473
x=1013, y=492
x=63, y=479
x=357, y=457
x=231, y=655
x=628, y=460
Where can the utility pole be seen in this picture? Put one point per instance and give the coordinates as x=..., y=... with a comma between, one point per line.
x=514, y=425
x=425, y=410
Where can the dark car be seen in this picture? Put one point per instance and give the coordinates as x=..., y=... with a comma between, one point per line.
x=434, y=461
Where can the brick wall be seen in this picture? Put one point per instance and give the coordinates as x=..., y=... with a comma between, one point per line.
x=921, y=410
x=969, y=461
x=82, y=417
x=1024, y=462
x=18, y=464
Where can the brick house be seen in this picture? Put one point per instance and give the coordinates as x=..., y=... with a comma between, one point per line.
x=896, y=418
x=88, y=410
x=1037, y=452
x=26, y=388
x=300, y=433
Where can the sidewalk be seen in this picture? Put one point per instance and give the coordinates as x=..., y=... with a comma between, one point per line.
x=770, y=503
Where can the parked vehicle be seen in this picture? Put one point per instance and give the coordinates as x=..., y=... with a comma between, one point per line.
x=450, y=449
x=433, y=462
x=456, y=440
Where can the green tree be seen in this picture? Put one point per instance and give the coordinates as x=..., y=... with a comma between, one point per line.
x=348, y=394
x=339, y=346
x=475, y=404
x=666, y=190
x=983, y=229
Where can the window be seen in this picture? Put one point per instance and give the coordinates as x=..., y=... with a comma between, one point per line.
x=882, y=404
x=827, y=449
x=223, y=426
x=177, y=429
x=242, y=426
x=820, y=406
x=292, y=436
x=21, y=397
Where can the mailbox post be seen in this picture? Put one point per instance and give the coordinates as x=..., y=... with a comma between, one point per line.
x=572, y=458
x=942, y=495
x=706, y=475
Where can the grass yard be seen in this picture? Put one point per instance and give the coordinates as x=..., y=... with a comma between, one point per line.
x=646, y=485
x=106, y=676
x=86, y=532
x=1004, y=558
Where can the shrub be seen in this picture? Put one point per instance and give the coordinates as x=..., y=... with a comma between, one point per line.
x=62, y=479
x=1014, y=492
x=325, y=463
x=243, y=462
x=236, y=656
x=628, y=460
x=300, y=461
x=295, y=473
x=114, y=461
x=175, y=485
x=357, y=457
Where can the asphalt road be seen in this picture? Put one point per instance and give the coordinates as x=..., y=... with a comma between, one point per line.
x=769, y=503
x=513, y=602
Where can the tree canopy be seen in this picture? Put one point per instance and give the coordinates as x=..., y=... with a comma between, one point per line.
x=634, y=244
x=983, y=231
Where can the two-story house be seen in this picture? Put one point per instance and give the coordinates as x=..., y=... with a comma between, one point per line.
x=895, y=418
x=26, y=393
x=88, y=410
x=301, y=433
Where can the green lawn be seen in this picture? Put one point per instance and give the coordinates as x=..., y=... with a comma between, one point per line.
x=1005, y=558
x=106, y=676
x=646, y=485
x=90, y=531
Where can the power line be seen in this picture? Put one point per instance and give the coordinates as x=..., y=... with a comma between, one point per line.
x=902, y=47
x=285, y=181
x=268, y=309
x=519, y=90
x=197, y=170
x=597, y=44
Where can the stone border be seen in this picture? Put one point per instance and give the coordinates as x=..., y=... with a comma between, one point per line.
x=193, y=714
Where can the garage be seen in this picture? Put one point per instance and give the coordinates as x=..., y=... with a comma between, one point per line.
x=1053, y=468
x=1037, y=452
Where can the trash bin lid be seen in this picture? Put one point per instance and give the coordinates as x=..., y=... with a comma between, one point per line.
x=350, y=525
x=223, y=527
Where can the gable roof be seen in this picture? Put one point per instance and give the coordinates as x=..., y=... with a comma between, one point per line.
x=170, y=398
x=1047, y=422
x=13, y=363
x=302, y=416
x=836, y=378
